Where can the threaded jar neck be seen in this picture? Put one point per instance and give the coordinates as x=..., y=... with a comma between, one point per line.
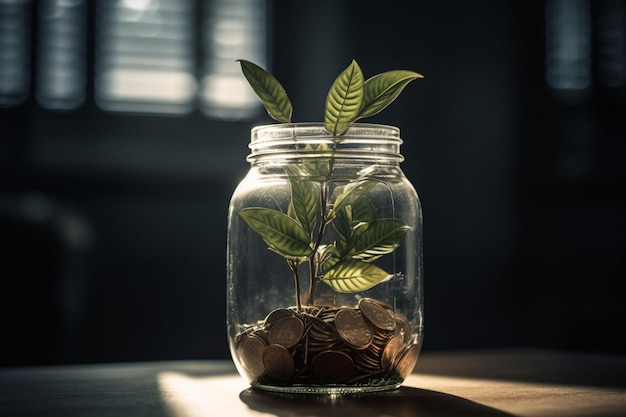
x=311, y=140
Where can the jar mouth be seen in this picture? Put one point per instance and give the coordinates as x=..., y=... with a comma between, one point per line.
x=310, y=140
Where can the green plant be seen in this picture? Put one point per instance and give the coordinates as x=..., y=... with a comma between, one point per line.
x=345, y=264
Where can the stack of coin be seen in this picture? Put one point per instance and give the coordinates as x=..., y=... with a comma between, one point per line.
x=383, y=324
x=321, y=336
x=324, y=344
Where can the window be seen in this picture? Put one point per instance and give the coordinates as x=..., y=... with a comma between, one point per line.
x=233, y=29
x=145, y=58
x=15, y=47
x=61, y=54
x=149, y=56
x=568, y=44
x=611, y=22
x=585, y=44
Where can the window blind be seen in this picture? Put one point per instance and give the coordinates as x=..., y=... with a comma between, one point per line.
x=61, y=50
x=15, y=51
x=233, y=29
x=611, y=22
x=149, y=56
x=145, y=55
x=568, y=44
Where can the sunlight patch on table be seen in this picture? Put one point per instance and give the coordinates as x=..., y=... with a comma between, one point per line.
x=190, y=396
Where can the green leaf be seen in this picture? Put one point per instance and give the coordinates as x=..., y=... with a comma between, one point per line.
x=329, y=255
x=282, y=234
x=318, y=168
x=361, y=210
x=343, y=221
x=351, y=193
x=344, y=99
x=379, y=238
x=343, y=242
x=354, y=276
x=382, y=89
x=303, y=199
x=268, y=90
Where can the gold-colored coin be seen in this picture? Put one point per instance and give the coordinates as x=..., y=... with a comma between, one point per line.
x=286, y=331
x=406, y=361
x=353, y=328
x=278, y=362
x=377, y=314
x=249, y=352
x=332, y=366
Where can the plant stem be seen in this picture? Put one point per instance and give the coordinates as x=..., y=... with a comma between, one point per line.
x=294, y=267
x=314, y=261
x=313, y=267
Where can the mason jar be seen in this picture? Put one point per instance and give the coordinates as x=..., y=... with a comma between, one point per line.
x=324, y=261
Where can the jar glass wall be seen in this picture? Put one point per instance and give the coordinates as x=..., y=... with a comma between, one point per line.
x=324, y=262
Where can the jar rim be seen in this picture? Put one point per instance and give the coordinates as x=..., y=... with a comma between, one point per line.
x=311, y=140
x=317, y=130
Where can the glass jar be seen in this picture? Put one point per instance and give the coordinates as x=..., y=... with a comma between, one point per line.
x=324, y=261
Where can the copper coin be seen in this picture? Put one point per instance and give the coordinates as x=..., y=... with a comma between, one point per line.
x=406, y=361
x=322, y=338
x=322, y=327
x=277, y=314
x=249, y=352
x=393, y=347
x=353, y=328
x=403, y=326
x=278, y=362
x=379, y=316
x=332, y=365
x=366, y=361
x=286, y=331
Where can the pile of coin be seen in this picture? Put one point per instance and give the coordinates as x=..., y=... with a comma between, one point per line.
x=322, y=345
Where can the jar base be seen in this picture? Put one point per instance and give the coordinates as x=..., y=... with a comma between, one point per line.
x=326, y=389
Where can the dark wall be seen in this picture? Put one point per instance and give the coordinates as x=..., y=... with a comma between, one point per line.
x=114, y=225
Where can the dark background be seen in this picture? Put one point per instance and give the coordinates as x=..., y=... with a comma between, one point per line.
x=113, y=226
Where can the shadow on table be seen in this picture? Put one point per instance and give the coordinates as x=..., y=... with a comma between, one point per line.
x=403, y=402
x=529, y=365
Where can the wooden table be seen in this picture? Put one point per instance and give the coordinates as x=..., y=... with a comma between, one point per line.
x=476, y=383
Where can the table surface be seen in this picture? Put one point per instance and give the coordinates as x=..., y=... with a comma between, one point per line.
x=468, y=383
